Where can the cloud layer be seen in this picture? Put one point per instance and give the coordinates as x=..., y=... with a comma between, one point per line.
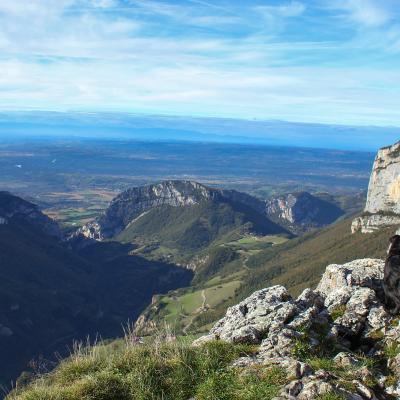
x=319, y=61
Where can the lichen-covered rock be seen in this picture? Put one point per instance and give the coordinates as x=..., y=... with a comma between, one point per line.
x=355, y=288
x=270, y=317
x=345, y=360
x=250, y=320
x=367, y=273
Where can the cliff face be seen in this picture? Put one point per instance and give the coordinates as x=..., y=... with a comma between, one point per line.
x=300, y=212
x=383, y=202
x=132, y=203
x=13, y=208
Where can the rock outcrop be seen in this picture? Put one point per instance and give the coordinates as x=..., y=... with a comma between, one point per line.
x=15, y=209
x=302, y=211
x=383, y=203
x=337, y=338
x=132, y=203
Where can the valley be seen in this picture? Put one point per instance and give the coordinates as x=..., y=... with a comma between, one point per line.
x=161, y=249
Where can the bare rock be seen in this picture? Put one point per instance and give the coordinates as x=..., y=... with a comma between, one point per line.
x=383, y=202
x=344, y=360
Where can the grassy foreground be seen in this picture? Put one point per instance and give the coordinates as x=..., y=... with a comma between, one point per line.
x=154, y=371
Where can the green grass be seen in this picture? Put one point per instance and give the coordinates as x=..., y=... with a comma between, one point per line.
x=182, y=308
x=253, y=244
x=195, y=228
x=331, y=396
x=338, y=312
x=158, y=370
x=216, y=294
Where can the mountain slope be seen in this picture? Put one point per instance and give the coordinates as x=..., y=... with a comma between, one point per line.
x=175, y=220
x=335, y=342
x=46, y=295
x=296, y=264
x=300, y=262
x=50, y=295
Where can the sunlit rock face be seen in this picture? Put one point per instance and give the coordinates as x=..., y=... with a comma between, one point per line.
x=301, y=212
x=383, y=202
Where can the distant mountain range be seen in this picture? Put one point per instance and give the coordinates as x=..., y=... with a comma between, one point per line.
x=167, y=128
x=186, y=217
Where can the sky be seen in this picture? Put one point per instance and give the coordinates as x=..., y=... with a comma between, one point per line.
x=323, y=61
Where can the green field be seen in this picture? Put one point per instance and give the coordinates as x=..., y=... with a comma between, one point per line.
x=179, y=310
x=252, y=244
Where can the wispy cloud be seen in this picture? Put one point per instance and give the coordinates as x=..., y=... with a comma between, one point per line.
x=280, y=59
x=371, y=13
x=287, y=10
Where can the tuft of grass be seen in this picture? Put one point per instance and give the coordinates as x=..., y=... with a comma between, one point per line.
x=395, y=322
x=338, y=312
x=155, y=370
x=391, y=350
x=331, y=396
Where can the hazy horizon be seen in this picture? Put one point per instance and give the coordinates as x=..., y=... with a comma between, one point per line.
x=318, y=61
x=171, y=128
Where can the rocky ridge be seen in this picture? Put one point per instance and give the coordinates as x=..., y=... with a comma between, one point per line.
x=337, y=338
x=383, y=202
x=298, y=212
x=133, y=202
x=302, y=211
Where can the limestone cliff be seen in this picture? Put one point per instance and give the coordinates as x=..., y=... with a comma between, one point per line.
x=300, y=212
x=383, y=202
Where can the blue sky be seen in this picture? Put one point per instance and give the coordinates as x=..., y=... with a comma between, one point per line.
x=325, y=61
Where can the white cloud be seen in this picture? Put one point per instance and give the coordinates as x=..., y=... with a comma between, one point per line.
x=103, y=54
x=370, y=13
x=288, y=10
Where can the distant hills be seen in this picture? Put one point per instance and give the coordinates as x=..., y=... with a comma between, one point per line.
x=178, y=220
x=223, y=130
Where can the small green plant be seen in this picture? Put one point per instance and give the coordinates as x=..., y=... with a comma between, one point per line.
x=323, y=363
x=338, y=312
x=302, y=349
x=331, y=396
x=391, y=380
x=377, y=335
x=391, y=350
x=395, y=321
